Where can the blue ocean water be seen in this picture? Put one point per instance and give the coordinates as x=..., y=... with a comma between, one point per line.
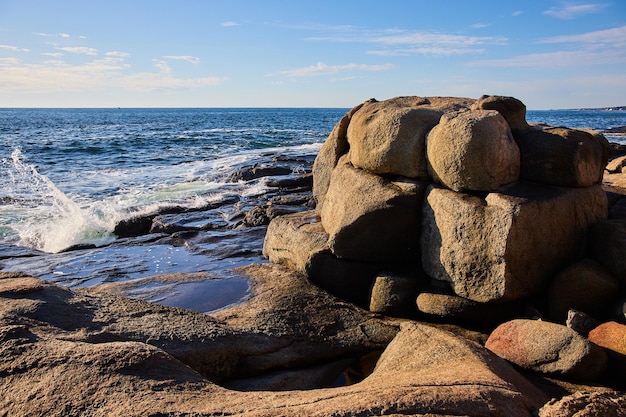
x=69, y=176
x=60, y=166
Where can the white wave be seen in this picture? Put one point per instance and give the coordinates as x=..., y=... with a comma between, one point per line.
x=47, y=219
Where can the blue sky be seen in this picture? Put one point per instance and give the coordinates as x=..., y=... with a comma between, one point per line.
x=269, y=53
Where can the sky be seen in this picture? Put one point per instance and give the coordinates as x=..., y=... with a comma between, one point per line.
x=551, y=54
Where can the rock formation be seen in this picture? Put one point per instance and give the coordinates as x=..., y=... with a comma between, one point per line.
x=507, y=219
x=431, y=213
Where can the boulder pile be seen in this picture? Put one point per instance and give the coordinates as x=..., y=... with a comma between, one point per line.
x=482, y=258
x=458, y=210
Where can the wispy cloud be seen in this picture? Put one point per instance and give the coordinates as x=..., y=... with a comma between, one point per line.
x=323, y=69
x=14, y=48
x=97, y=75
x=190, y=59
x=81, y=50
x=517, y=13
x=479, y=26
x=614, y=37
x=117, y=54
x=54, y=35
x=9, y=61
x=558, y=59
x=572, y=11
x=230, y=24
x=53, y=54
x=585, y=49
x=393, y=42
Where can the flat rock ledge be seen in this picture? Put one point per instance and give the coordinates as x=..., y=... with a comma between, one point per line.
x=90, y=352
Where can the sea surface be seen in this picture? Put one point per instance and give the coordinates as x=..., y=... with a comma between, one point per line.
x=68, y=176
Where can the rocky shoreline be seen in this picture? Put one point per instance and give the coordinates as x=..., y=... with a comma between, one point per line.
x=453, y=260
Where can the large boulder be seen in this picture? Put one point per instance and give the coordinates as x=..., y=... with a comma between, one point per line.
x=584, y=286
x=394, y=294
x=563, y=157
x=547, y=348
x=473, y=150
x=512, y=109
x=612, y=337
x=608, y=246
x=337, y=143
x=370, y=218
x=293, y=240
x=507, y=245
x=333, y=148
x=453, y=308
x=388, y=139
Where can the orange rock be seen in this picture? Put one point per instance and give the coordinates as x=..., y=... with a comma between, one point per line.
x=611, y=336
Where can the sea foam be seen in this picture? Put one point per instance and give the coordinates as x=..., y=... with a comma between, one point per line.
x=44, y=217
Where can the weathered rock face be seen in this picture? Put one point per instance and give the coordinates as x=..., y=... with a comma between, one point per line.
x=362, y=213
x=293, y=240
x=394, y=295
x=473, y=150
x=90, y=353
x=563, y=157
x=335, y=146
x=548, y=348
x=587, y=404
x=505, y=246
x=513, y=110
x=389, y=140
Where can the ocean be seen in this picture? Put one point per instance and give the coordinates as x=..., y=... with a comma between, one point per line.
x=70, y=175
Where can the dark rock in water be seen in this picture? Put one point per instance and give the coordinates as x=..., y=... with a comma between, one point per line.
x=134, y=226
x=303, y=181
x=262, y=215
x=253, y=172
x=81, y=246
x=11, y=251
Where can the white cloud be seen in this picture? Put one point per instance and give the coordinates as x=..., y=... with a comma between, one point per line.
x=323, y=69
x=190, y=59
x=82, y=50
x=587, y=49
x=117, y=54
x=479, y=26
x=9, y=61
x=572, y=11
x=55, y=35
x=146, y=81
x=163, y=66
x=97, y=75
x=14, y=48
x=230, y=24
x=52, y=54
x=615, y=37
x=401, y=42
x=425, y=51
x=557, y=59
x=517, y=13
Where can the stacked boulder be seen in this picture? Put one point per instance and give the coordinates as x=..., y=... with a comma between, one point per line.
x=457, y=209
